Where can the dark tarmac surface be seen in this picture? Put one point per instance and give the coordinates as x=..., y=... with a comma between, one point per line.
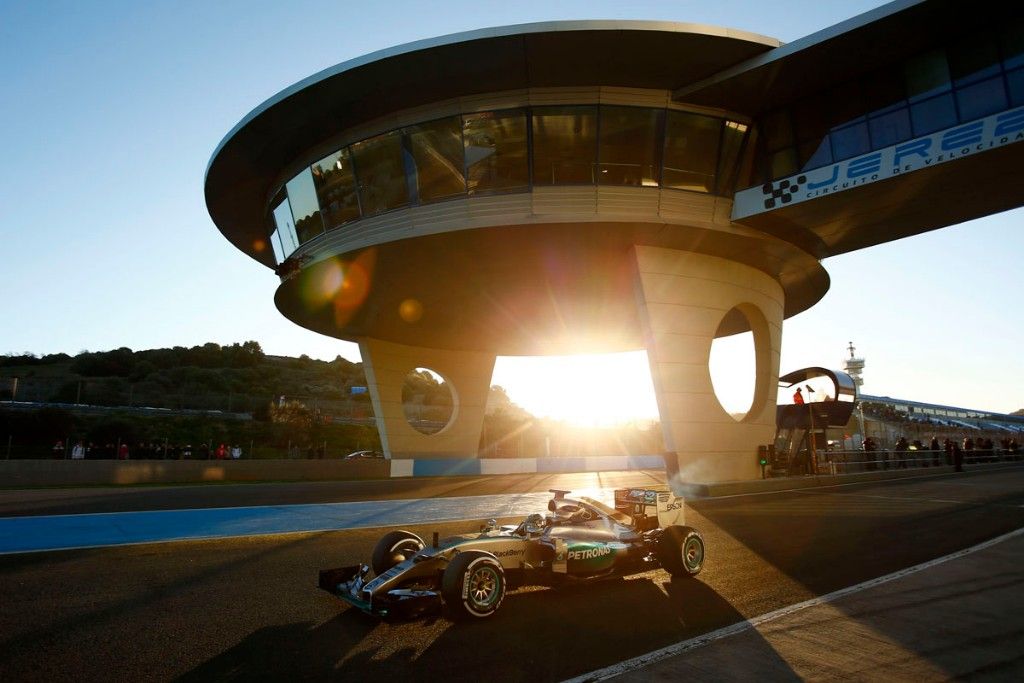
x=248, y=608
x=57, y=501
x=959, y=617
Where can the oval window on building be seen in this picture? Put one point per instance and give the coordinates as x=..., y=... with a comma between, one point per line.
x=427, y=401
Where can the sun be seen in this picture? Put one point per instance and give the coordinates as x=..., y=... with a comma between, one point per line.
x=597, y=390
x=606, y=390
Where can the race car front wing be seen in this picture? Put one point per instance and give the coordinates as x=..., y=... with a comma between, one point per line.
x=351, y=585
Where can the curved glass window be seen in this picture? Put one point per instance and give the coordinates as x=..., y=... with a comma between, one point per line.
x=888, y=129
x=437, y=159
x=981, y=99
x=733, y=135
x=932, y=115
x=496, y=154
x=630, y=142
x=380, y=167
x=851, y=140
x=691, y=151
x=286, y=229
x=1015, y=84
x=275, y=244
x=564, y=145
x=509, y=151
x=305, y=209
x=335, y=183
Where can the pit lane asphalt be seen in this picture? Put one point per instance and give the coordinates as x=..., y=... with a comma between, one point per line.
x=248, y=607
x=75, y=501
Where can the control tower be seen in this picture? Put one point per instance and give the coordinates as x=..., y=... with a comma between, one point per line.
x=596, y=186
x=854, y=367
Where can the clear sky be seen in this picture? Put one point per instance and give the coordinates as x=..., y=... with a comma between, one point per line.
x=109, y=112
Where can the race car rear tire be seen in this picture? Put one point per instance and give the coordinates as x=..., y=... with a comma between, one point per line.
x=392, y=548
x=681, y=550
x=473, y=585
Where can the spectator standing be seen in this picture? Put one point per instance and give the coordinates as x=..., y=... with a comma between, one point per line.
x=236, y=452
x=901, y=452
x=798, y=397
x=122, y=453
x=78, y=452
x=870, y=447
x=222, y=452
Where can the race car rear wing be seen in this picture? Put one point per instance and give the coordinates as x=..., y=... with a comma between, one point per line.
x=651, y=507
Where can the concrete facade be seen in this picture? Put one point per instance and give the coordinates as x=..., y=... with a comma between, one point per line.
x=467, y=375
x=683, y=297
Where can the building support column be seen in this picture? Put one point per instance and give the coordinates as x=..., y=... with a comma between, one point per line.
x=468, y=376
x=682, y=298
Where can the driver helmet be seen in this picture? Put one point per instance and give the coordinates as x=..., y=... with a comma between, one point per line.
x=535, y=523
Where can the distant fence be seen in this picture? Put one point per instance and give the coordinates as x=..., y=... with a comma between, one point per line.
x=846, y=462
x=36, y=473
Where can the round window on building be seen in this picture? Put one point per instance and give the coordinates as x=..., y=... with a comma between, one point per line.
x=733, y=362
x=427, y=400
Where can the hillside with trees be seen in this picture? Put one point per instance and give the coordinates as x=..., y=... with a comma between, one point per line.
x=274, y=406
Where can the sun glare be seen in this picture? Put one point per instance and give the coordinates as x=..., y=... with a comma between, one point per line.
x=599, y=390
x=605, y=390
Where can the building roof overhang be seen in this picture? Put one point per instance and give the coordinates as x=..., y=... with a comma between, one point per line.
x=638, y=54
x=869, y=41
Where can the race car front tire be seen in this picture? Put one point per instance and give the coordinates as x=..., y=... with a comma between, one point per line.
x=473, y=584
x=681, y=550
x=394, y=547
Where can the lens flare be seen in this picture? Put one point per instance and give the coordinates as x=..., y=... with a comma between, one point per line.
x=355, y=287
x=410, y=311
x=324, y=283
x=338, y=286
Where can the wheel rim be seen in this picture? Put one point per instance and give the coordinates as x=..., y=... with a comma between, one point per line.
x=693, y=553
x=483, y=586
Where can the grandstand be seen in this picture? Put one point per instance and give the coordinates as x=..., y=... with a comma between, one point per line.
x=937, y=418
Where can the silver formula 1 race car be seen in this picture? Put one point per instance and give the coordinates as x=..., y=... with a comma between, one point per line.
x=580, y=539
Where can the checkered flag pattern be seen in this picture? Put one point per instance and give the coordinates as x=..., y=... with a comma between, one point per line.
x=783, y=193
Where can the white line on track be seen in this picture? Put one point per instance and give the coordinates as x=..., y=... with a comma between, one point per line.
x=700, y=641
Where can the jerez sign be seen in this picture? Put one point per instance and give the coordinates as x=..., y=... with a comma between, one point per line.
x=938, y=148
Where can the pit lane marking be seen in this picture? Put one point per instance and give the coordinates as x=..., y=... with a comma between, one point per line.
x=637, y=663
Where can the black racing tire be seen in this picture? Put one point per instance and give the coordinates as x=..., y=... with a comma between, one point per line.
x=473, y=585
x=681, y=551
x=394, y=547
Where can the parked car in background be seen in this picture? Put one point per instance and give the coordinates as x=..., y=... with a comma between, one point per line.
x=360, y=455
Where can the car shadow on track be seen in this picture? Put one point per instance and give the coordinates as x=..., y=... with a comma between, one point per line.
x=538, y=635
